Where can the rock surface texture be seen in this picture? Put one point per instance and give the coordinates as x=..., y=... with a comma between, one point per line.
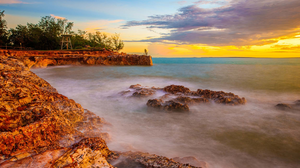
x=41, y=128
x=52, y=58
x=179, y=98
x=39, y=125
x=146, y=160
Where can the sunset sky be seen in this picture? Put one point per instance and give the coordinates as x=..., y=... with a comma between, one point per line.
x=170, y=28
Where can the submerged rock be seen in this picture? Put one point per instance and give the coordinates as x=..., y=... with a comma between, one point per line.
x=175, y=106
x=184, y=97
x=168, y=105
x=143, y=92
x=137, y=86
x=146, y=159
x=189, y=100
x=156, y=103
x=176, y=88
x=192, y=161
x=283, y=106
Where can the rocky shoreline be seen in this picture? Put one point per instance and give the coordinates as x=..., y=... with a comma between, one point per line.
x=40, y=59
x=42, y=128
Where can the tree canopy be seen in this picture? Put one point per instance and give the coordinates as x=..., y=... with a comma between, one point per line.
x=47, y=35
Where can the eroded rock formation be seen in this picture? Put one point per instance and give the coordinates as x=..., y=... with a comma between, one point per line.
x=50, y=58
x=36, y=122
x=179, y=98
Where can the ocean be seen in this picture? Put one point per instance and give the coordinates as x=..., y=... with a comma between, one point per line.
x=252, y=135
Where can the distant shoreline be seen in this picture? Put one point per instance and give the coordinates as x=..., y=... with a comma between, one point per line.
x=231, y=57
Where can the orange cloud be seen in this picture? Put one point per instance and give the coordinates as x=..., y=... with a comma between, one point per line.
x=11, y=2
x=57, y=17
x=96, y=25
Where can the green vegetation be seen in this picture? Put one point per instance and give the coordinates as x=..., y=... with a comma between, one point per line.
x=46, y=35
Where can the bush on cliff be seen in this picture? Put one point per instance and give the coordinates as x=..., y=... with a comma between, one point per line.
x=97, y=40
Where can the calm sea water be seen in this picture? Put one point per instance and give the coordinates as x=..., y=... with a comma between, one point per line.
x=252, y=135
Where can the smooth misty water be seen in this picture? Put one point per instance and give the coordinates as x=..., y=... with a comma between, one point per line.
x=252, y=135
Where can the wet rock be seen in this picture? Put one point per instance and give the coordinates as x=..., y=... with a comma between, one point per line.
x=189, y=100
x=124, y=92
x=137, y=86
x=176, y=88
x=123, y=162
x=156, y=103
x=89, y=152
x=165, y=96
x=283, y=106
x=156, y=88
x=143, y=92
x=146, y=159
x=44, y=159
x=192, y=161
x=220, y=97
x=168, y=105
x=175, y=106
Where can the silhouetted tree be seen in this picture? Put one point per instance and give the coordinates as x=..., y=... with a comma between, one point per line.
x=3, y=31
x=46, y=35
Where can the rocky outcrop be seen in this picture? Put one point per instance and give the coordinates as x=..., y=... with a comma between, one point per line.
x=179, y=98
x=36, y=122
x=89, y=152
x=145, y=160
x=51, y=58
x=176, y=88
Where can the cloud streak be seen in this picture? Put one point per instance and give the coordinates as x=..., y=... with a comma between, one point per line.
x=57, y=17
x=11, y=2
x=237, y=22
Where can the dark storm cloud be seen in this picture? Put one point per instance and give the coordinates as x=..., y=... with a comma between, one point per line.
x=239, y=22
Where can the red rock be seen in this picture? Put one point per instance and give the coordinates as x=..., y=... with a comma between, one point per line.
x=175, y=106
x=45, y=58
x=144, y=160
x=156, y=103
x=176, y=88
x=137, y=86
x=143, y=92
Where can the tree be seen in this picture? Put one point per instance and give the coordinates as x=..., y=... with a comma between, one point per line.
x=52, y=30
x=146, y=52
x=19, y=36
x=117, y=43
x=79, y=40
x=45, y=35
x=3, y=27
